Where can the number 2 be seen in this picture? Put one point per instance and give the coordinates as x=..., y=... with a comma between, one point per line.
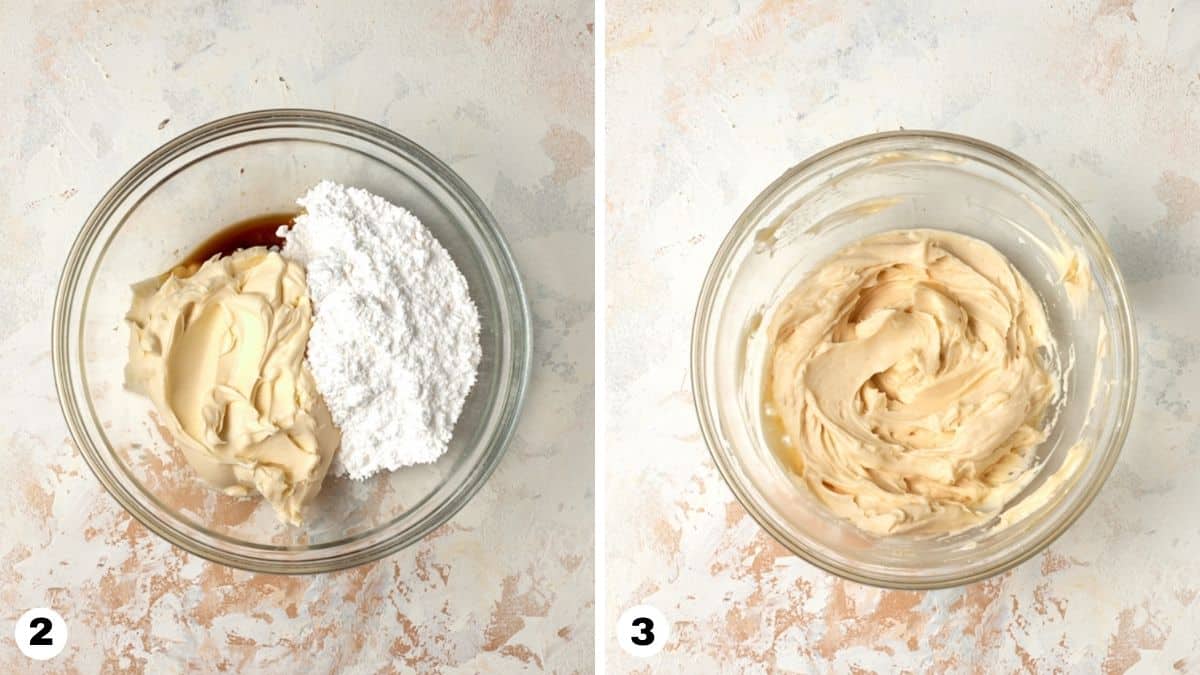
x=647, y=636
x=41, y=638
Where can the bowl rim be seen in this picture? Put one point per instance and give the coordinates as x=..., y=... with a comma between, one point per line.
x=704, y=306
x=519, y=350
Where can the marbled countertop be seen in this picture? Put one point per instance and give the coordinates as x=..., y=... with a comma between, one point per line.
x=503, y=93
x=705, y=108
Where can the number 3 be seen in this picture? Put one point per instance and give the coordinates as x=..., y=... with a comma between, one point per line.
x=40, y=638
x=647, y=627
x=642, y=631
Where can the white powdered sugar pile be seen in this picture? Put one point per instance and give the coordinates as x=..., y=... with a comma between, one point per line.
x=394, y=345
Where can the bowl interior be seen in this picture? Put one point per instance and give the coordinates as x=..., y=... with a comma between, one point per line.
x=902, y=182
x=248, y=171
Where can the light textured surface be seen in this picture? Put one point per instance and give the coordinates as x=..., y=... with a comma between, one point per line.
x=504, y=94
x=705, y=108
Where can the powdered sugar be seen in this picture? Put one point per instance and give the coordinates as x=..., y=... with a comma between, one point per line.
x=394, y=346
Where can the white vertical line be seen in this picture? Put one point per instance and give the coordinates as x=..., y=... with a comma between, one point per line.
x=600, y=314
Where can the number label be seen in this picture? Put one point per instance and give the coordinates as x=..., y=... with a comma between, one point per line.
x=41, y=633
x=42, y=637
x=646, y=637
x=643, y=631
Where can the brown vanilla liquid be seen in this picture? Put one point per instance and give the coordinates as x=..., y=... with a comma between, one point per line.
x=256, y=231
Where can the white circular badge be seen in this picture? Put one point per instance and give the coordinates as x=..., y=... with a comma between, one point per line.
x=643, y=631
x=41, y=633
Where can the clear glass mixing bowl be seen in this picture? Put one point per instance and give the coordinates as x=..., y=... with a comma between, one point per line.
x=894, y=181
x=199, y=183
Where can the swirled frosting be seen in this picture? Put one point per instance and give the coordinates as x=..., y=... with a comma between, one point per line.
x=909, y=375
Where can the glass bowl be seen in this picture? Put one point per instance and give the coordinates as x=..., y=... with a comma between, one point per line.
x=903, y=180
x=199, y=183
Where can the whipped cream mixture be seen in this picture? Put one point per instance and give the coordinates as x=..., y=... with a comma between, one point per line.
x=219, y=348
x=908, y=373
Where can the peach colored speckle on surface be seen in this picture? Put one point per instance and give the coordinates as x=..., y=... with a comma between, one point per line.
x=706, y=106
x=502, y=92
